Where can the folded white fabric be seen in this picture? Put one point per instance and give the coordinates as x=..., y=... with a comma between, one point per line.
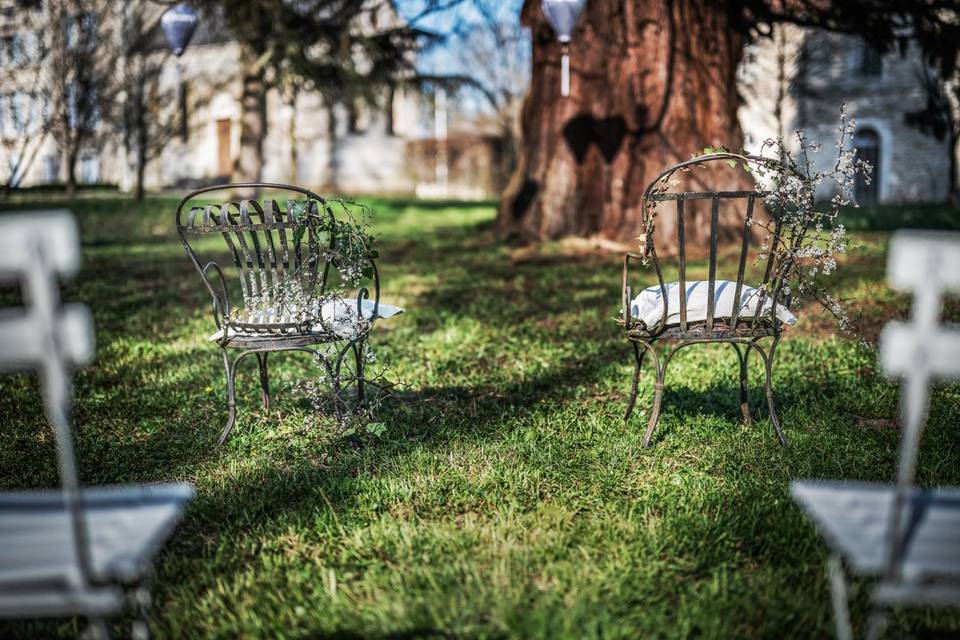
x=648, y=306
x=338, y=316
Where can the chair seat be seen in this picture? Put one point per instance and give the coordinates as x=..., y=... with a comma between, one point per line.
x=51, y=600
x=126, y=527
x=855, y=520
x=336, y=320
x=721, y=330
x=647, y=307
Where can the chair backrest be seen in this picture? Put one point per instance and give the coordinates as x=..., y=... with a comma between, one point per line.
x=273, y=252
x=927, y=265
x=745, y=203
x=36, y=250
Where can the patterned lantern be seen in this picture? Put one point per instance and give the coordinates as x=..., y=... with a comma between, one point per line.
x=563, y=16
x=178, y=24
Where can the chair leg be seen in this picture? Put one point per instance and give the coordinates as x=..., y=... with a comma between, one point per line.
x=358, y=357
x=744, y=384
x=768, y=368
x=97, y=629
x=638, y=355
x=654, y=413
x=877, y=623
x=838, y=597
x=231, y=397
x=657, y=398
x=264, y=379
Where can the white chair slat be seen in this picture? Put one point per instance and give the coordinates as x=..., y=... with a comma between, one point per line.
x=53, y=231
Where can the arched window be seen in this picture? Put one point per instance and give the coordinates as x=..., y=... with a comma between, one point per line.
x=871, y=60
x=866, y=142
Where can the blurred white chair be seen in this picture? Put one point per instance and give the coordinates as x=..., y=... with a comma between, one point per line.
x=67, y=552
x=905, y=536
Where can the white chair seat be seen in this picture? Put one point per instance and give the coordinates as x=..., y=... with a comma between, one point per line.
x=126, y=527
x=338, y=317
x=855, y=519
x=647, y=307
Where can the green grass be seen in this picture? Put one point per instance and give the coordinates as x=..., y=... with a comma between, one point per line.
x=507, y=498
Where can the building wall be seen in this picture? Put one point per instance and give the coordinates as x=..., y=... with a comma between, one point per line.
x=301, y=145
x=307, y=142
x=823, y=71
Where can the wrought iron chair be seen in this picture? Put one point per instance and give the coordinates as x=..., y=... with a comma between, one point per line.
x=69, y=552
x=750, y=316
x=908, y=537
x=273, y=251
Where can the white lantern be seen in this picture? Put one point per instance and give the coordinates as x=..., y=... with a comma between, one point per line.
x=563, y=16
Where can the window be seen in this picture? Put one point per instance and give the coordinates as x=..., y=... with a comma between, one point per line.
x=358, y=116
x=34, y=48
x=6, y=51
x=871, y=60
x=24, y=112
x=81, y=31
x=51, y=168
x=41, y=44
x=89, y=168
x=83, y=108
x=16, y=51
x=748, y=63
x=20, y=112
x=866, y=142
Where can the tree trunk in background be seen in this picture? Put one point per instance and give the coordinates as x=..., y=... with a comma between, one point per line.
x=70, y=187
x=253, y=119
x=292, y=135
x=652, y=83
x=141, y=135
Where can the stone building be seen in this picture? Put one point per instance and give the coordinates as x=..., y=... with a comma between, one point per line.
x=357, y=148
x=798, y=79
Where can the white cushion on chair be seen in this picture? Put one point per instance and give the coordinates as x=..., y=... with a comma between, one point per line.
x=339, y=316
x=648, y=306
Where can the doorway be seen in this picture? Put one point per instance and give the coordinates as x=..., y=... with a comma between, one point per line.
x=866, y=142
x=224, y=165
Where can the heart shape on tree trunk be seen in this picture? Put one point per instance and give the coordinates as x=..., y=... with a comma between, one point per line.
x=607, y=133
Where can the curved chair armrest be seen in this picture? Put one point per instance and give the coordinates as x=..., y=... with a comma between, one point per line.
x=628, y=320
x=221, y=301
x=364, y=294
x=625, y=294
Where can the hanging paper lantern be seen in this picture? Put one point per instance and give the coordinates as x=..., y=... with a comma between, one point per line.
x=563, y=16
x=178, y=24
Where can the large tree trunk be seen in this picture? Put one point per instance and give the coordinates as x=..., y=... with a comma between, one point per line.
x=253, y=119
x=652, y=82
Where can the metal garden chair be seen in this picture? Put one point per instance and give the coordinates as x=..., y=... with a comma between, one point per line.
x=273, y=252
x=67, y=552
x=744, y=319
x=906, y=536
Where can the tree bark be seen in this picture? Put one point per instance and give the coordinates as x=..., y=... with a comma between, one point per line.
x=253, y=118
x=652, y=83
x=71, y=184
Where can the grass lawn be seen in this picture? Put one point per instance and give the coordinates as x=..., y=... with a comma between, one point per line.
x=507, y=499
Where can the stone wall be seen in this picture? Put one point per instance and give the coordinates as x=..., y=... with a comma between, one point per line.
x=820, y=72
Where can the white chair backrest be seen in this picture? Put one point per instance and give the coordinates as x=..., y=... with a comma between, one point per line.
x=917, y=352
x=37, y=249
